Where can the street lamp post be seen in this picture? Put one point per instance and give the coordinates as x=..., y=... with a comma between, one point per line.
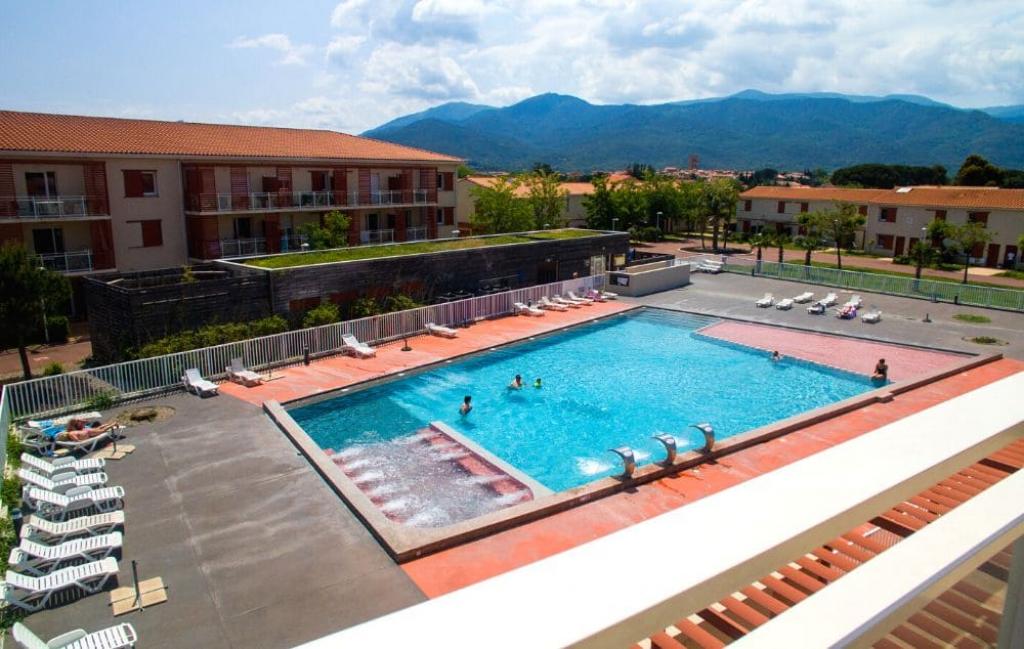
x=658, y=224
x=614, y=222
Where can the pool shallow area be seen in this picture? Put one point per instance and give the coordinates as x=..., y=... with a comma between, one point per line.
x=610, y=383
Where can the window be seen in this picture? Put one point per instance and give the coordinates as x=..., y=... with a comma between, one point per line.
x=747, y=205
x=884, y=241
x=372, y=221
x=440, y=217
x=318, y=180
x=138, y=184
x=863, y=210
x=46, y=241
x=887, y=215
x=150, y=234
x=978, y=217
x=940, y=215
x=804, y=207
x=243, y=227
x=446, y=181
x=41, y=183
x=449, y=215
x=782, y=207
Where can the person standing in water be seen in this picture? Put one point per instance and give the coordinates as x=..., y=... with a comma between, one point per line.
x=466, y=406
x=881, y=371
x=537, y=383
x=517, y=383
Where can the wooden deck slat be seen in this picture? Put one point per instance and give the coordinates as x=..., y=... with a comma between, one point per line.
x=962, y=621
x=698, y=635
x=744, y=611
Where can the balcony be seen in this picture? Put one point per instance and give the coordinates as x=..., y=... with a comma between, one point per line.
x=319, y=200
x=416, y=233
x=377, y=236
x=78, y=261
x=257, y=246
x=50, y=207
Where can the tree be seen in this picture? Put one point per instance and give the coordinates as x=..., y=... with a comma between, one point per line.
x=464, y=171
x=664, y=198
x=923, y=254
x=333, y=233
x=889, y=176
x=27, y=293
x=500, y=209
x=600, y=205
x=810, y=240
x=779, y=239
x=547, y=199
x=965, y=238
x=976, y=171
x=719, y=202
x=840, y=225
x=630, y=202
x=639, y=170
x=760, y=240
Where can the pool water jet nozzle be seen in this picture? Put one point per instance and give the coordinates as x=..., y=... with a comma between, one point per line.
x=628, y=460
x=709, y=435
x=670, y=446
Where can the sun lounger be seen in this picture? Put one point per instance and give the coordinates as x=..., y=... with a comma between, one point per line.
x=36, y=558
x=804, y=297
x=558, y=299
x=34, y=593
x=89, y=444
x=522, y=309
x=829, y=300
x=855, y=301
x=545, y=303
x=90, y=417
x=785, y=305
x=239, y=374
x=608, y=295
x=61, y=482
x=59, y=507
x=847, y=312
x=816, y=309
x=38, y=528
x=766, y=301
x=709, y=266
x=872, y=317
x=66, y=464
x=351, y=346
x=440, y=330
x=196, y=384
x=596, y=296
x=582, y=300
x=121, y=636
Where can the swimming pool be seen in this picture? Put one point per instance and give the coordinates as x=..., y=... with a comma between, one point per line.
x=610, y=383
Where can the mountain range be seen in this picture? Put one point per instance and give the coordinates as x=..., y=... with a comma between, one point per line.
x=748, y=130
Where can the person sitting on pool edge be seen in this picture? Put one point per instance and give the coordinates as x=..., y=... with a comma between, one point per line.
x=881, y=371
x=466, y=405
x=517, y=383
x=537, y=383
x=776, y=356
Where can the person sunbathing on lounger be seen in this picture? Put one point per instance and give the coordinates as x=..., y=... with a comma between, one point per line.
x=82, y=434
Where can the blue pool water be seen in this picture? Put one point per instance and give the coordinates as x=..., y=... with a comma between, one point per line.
x=610, y=383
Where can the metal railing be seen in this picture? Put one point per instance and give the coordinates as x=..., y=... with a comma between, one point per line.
x=377, y=236
x=148, y=376
x=265, y=201
x=967, y=294
x=416, y=233
x=5, y=427
x=241, y=247
x=45, y=207
x=78, y=261
x=628, y=585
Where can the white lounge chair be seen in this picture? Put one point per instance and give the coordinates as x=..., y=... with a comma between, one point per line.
x=66, y=464
x=351, y=345
x=855, y=302
x=545, y=303
x=872, y=317
x=59, y=507
x=709, y=266
x=238, y=373
x=35, y=558
x=90, y=444
x=441, y=330
x=122, y=636
x=61, y=482
x=596, y=296
x=804, y=297
x=558, y=299
x=583, y=300
x=785, y=305
x=528, y=310
x=196, y=384
x=92, y=416
x=829, y=300
x=816, y=309
x=38, y=528
x=766, y=301
x=608, y=295
x=34, y=593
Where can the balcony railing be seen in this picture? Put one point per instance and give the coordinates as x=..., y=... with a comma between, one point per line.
x=48, y=207
x=416, y=233
x=377, y=236
x=270, y=201
x=78, y=261
x=242, y=247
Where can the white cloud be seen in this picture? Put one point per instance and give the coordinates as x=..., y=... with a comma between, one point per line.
x=291, y=53
x=341, y=48
x=418, y=72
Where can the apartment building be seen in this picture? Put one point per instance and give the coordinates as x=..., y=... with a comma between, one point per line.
x=896, y=218
x=89, y=194
x=575, y=213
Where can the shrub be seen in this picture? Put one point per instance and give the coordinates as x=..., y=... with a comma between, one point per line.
x=210, y=335
x=324, y=314
x=970, y=317
x=53, y=369
x=986, y=340
x=274, y=324
x=101, y=400
x=10, y=492
x=400, y=303
x=902, y=260
x=364, y=307
x=14, y=449
x=8, y=540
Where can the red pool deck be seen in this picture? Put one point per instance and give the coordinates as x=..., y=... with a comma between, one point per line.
x=342, y=371
x=848, y=354
x=466, y=564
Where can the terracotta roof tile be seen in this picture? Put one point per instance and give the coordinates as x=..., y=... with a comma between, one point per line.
x=939, y=197
x=40, y=132
x=574, y=189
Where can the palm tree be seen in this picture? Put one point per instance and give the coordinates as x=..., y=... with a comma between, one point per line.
x=779, y=239
x=759, y=240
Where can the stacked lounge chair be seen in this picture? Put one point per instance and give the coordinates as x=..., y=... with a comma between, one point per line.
x=581, y=300
x=61, y=482
x=33, y=593
x=524, y=309
x=66, y=464
x=558, y=299
x=350, y=345
x=121, y=636
x=545, y=303
x=77, y=501
x=38, y=528
x=38, y=559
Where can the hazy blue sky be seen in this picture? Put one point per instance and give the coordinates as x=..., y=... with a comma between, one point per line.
x=355, y=64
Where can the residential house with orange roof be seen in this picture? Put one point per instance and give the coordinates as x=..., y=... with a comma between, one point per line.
x=94, y=193
x=897, y=218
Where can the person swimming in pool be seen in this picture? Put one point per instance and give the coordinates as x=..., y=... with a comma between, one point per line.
x=776, y=356
x=881, y=371
x=466, y=406
x=517, y=383
x=537, y=383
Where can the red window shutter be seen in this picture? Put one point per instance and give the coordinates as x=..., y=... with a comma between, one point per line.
x=863, y=210
x=940, y=215
x=782, y=207
x=747, y=205
x=449, y=181
x=319, y=180
x=152, y=233
x=804, y=207
x=133, y=184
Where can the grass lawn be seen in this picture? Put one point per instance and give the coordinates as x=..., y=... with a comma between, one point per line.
x=970, y=317
x=357, y=253
x=876, y=271
x=1012, y=274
